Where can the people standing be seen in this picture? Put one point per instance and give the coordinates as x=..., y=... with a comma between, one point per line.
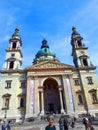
x=90, y=122
x=9, y=125
x=3, y=126
x=65, y=123
x=51, y=125
x=61, y=124
x=85, y=122
x=72, y=122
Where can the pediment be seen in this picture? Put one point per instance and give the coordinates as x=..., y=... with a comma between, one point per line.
x=6, y=95
x=49, y=64
x=92, y=90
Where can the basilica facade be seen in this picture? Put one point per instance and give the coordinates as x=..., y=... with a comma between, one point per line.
x=47, y=85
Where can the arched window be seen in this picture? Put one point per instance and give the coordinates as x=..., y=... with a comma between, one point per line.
x=22, y=102
x=79, y=43
x=85, y=62
x=80, y=99
x=11, y=65
x=14, y=45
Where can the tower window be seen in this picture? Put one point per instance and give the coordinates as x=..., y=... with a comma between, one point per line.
x=80, y=99
x=12, y=55
x=8, y=84
x=23, y=84
x=76, y=82
x=11, y=65
x=85, y=62
x=89, y=80
x=79, y=43
x=14, y=45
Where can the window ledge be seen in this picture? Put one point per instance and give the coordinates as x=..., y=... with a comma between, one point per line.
x=7, y=87
x=95, y=102
x=21, y=107
x=5, y=108
x=90, y=83
x=22, y=87
x=80, y=104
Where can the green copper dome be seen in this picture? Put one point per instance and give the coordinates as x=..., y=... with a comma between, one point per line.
x=45, y=53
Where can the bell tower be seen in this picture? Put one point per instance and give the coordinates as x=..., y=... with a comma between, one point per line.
x=13, y=53
x=86, y=74
x=79, y=51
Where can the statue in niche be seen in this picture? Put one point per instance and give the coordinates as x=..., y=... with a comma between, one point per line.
x=7, y=103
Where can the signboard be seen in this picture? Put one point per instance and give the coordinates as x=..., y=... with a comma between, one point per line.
x=32, y=96
x=70, y=93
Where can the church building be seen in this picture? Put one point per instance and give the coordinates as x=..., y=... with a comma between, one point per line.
x=47, y=85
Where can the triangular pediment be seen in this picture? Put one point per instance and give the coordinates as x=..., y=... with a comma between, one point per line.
x=49, y=64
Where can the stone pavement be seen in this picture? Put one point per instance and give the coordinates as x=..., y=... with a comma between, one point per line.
x=41, y=126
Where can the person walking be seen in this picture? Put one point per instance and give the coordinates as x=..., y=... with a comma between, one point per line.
x=51, y=125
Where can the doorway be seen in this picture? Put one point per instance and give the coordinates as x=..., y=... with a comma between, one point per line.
x=51, y=96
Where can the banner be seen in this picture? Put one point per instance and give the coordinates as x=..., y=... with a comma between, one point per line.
x=70, y=93
x=32, y=96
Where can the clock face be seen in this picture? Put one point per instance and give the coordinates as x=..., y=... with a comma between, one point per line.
x=82, y=52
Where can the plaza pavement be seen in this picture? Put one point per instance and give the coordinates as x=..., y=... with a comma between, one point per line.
x=41, y=126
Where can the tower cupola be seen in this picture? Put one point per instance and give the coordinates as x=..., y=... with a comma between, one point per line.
x=16, y=33
x=76, y=39
x=44, y=44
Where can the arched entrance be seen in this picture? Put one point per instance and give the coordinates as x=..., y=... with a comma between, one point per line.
x=51, y=96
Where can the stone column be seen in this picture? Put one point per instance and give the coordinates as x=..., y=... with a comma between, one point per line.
x=38, y=102
x=42, y=102
x=61, y=101
x=28, y=114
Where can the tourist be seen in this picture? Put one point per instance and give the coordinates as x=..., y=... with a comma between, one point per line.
x=61, y=123
x=3, y=126
x=65, y=123
x=90, y=122
x=9, y=126
x=72, y=122
x=85, y=122
x=51, y=125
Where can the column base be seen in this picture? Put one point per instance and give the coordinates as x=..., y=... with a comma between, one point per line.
x=42, y=112
x=62, y=111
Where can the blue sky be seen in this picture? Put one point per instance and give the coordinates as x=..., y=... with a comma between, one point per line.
x=50, y=19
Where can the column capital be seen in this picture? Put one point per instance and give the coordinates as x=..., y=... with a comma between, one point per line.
x=30, y=77
x=40, y=88
x=60, y=88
